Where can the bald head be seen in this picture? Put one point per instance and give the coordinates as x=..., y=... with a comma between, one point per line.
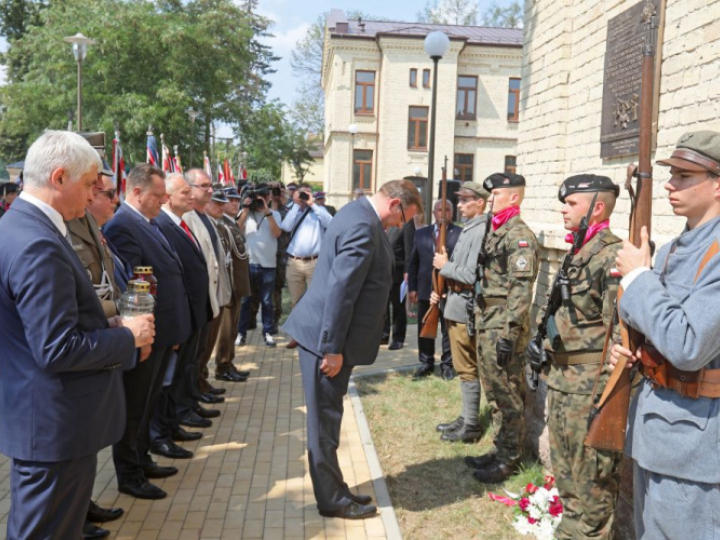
x=180, y=194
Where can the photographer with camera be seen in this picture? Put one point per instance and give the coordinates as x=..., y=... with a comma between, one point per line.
x=261, y=227
x=306, y=223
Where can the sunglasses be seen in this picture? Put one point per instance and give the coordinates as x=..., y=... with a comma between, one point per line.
x=109, y=193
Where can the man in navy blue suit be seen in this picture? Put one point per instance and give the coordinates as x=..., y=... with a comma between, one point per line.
x=338, y=324
x=61, y=396
x=178, y=399
x=420, y=286
x=139, y=241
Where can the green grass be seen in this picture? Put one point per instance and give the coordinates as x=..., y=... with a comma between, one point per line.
x=433, y=492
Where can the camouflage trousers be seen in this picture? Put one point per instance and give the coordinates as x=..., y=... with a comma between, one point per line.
x=587, y=479
x=505, y=393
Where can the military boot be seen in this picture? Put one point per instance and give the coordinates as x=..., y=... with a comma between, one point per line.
x=495, y=473
x=467, y=433
x=480, y=462
x=451, y=426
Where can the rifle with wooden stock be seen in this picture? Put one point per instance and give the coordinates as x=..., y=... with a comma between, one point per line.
x=608, y=419
x=432, y=316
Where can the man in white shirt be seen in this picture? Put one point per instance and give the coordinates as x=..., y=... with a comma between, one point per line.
x=262, y=229
x=306, y=222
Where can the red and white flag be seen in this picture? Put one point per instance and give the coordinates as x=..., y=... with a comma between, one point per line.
x=206, y=165
x=167, y=162
x=118, y=166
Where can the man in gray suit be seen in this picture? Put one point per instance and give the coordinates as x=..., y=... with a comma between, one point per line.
x=338, y=324
x=673, y=425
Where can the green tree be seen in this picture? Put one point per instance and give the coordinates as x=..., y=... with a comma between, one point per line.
x=510, y=16
x=464, y=12
x=152, y=62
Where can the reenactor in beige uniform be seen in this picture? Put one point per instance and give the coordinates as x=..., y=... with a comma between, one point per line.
x=587, y=479
x=460, y=273
x=502, y=315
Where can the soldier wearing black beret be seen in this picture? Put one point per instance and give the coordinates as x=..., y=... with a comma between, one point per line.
x=502, y=319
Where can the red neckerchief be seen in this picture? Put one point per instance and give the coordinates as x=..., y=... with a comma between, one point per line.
x=592, y=231
x=501, y=218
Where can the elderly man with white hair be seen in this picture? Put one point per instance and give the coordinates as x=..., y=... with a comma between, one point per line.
x=62, y=360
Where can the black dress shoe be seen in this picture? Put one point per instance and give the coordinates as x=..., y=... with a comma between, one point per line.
x=351, y=511
x=245, y=374
x=202, y=412
x=480, y=462
x=142, y=489
x=93, y=532
x=184, y=436
x=385, y=340
x=447, y=373
x=216, y=391
x=466, y=434
x=195, y=421
x=395, y=346
x=101, y=515
x=230, y=376
x=211, y=398
x=360, y=499
x=157, y=471
x=451, y=426
x=171, y=450
x=494, y=473
x=423, y=371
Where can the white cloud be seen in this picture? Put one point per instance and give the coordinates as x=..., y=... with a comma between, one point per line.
x=284, y=42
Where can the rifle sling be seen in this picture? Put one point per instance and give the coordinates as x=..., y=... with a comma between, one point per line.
x=612, y=382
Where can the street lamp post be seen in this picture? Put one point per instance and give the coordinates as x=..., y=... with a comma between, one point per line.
x=436, y=45
x=80, y=44
x=192, y=114
x=352, y=129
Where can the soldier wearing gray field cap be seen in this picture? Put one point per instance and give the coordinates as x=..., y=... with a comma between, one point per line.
x=674, y=423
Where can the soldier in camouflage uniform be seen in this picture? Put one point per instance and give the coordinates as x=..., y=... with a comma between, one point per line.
x=502, y=320
x=587, y=479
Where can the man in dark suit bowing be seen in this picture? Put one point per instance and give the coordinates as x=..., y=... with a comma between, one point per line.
x=61, y=397
x=137, y=237
x=338, y=324
x=420, y=286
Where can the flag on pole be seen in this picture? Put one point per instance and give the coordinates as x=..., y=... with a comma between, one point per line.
x=176, y=160
x=152, y=151
x=206, y=165
x=227, y=174
x=167, y=164
x=118, y=166
x=220, y=175
x=242, y=172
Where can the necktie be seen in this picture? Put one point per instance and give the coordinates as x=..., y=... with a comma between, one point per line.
x=185, y=228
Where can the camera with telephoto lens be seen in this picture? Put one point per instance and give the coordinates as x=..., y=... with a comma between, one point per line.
x=304, y=196
x=256, y=196
x=275, y=192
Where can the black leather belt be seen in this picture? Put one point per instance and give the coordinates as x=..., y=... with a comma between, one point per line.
x=303, y=258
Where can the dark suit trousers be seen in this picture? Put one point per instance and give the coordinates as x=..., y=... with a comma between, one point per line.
x=49, y=500
x=208, y=338
x=230, y=316
x=143, y=385
x=176, y=401
x=399, y=315
x=324, y=401
x=426, y=346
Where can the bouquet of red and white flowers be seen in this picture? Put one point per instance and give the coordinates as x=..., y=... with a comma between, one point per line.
x=538, y=509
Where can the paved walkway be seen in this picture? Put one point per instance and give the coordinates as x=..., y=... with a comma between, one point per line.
x=249, y=477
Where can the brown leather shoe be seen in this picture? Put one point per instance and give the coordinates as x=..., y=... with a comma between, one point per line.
x=292, y=345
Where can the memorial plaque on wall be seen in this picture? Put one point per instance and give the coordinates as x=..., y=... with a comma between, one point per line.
x=626, y=34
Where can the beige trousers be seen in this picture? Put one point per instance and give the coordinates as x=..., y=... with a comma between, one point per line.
x=299, y=276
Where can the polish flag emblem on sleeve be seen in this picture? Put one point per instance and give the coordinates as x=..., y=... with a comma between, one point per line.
x=614, y=272
x=523, y=243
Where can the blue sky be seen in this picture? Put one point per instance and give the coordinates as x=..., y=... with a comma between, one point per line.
x=293, y=17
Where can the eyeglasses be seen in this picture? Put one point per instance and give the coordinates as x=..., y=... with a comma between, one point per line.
x=203, y=187
x=402, y=212
x=109, y=193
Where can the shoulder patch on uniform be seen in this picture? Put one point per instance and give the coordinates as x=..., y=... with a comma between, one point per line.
x=614, y=272
x=521, y=263
x=523, y=243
